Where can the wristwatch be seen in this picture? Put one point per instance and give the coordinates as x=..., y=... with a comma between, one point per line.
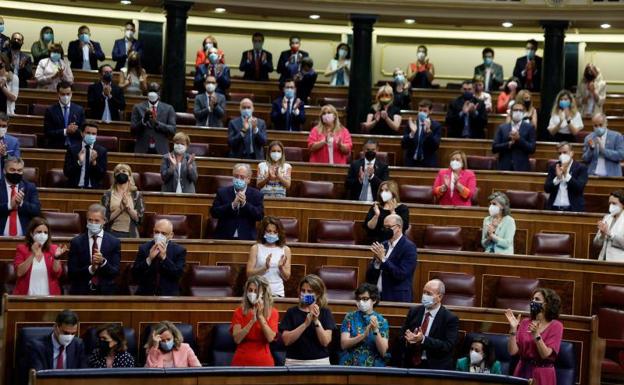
x=538, y=338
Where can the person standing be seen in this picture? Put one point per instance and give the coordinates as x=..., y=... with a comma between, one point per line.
x=256, y=63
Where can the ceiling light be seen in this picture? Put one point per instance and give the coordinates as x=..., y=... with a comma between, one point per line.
x=315, y=17
x=605, y=25
x=409, y=21
x=219, y=10
x=507, y=24
x=126, y=2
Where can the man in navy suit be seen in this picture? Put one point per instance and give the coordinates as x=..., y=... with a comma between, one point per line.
x=466, y=116
x=421, y=139
x=159, y=264
x=9, y=145
x=129, y=43
x=289, y=62
x=19, y=200
x=394, y=262
x=84, y=48
x=528, y=68
x=62, y=120
x=105, y=98
x=256, y=63
x=366, y=174
x=247, y=134
x=566, y=182
x=213, y=67
x=93, y=260
x=515, y=141
x=85, y=163
x=287, y=111
x=238, y=207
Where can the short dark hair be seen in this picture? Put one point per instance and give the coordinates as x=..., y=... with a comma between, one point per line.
x=4, y=116
x=343, y=45
x=104, y=66
x=373, y=292
x=371, y=141
x=487, y=50
x=533, y=42
x=552, y=303
x=83, y=27
x=293, y=37
x=130, y=22
x=423, y=47
x=257, y=34
x=88, y=124
x=619, y=194
x=489, y=353
x=281, y=233
x=289, y=80
x=64, y=84
x=66, y=317
x=468, y=81
x=116, y=332
x=426, y=103
x=307, y=61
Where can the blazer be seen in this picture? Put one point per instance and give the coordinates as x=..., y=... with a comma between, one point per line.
x=516, y=157
x=322, y=155
x=96, y=101
x=582, y=92
x=397, y=272
x=183, y=357
x=54, y=125
x=120, y=54
x=282, y=64
x=477, y=119
x=22, y=283
x=242, y=219
x=496, y=76
x=438, y=345
x=466, y=177
x=170, y=175
x=30, y=208
x=428, y=142
x=576, y=186
x=353, y=185
x=205, y=113
x=13, y=148
x=72, y=169
x=25, y=72
x=613, y=153
x=281, y=121
x=521, y=63
x=222, y=74
x=505, y=232
x=79, y=260
x=239, y=143
x=47, y=69
x=611, y=249
x=160, y=132
x=248, y=65
x=74, y=54
x=139, y=207
x=41, y=354
x=161, y=277
x=305, y=85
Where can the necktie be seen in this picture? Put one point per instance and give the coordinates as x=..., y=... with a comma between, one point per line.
x=59, y=359
x=288, y=115
x=13, y=215
x=154, y=111
x=417, y=357
x=365, y=182
x=257, y=63
x=418, y=154
x=66, y=115
x=94, y=249
x=87, y=181
x=466, y=130
x=212, y=70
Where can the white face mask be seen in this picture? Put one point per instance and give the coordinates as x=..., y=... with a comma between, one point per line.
x=276, y=155
x=65, y=339
x=564, y=158
x=210, y=87
x=386, y=196
x=159, y=238
x=421, y=56
x=129, y=34
x=456, y=165
x=475, y=358
x=40, y=238
x=494, y=210
x=3, y=131
x=517, y=116
x=252, y=297
x=65, y=99
x=179, y=148
x=364, y=306
x=152, y=97
x=614, y=209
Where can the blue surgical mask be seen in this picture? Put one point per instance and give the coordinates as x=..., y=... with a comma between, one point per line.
x=1, y=28
x=422, y=116
x=399, y=78
x=289, y=93
x=530, y=54
x=246, y=112
x=239, y=184
x=48, y=37
x=563, y=104
x=94, y=228
x=85, y=38
x=488, y=61
x=89, y=139
x=342, y=53
x=166, y=346
x=427, y=300
x=55, y=56
x=600, y=131
x=271, y=238
x=213, y=57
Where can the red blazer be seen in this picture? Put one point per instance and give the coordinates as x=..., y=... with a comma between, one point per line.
x=466, y=178
x=21, y=286
x=201, y=58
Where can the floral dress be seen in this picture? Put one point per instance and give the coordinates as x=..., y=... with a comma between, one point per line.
x=365, y=353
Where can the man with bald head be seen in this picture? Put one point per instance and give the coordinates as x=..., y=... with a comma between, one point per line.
x=159, y=264
x=247, y=134
x=603, y=149
x=394, y=262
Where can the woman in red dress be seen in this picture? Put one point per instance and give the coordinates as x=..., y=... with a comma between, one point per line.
x=254, y=324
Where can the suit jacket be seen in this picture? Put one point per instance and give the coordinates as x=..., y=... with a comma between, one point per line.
x=79, y=260
x=41, y=354
x=248, y=65
x=74, y=54
x=160, y=132
x=576, y=185
x=396, y=273
x=96, y=98
x=54, y=125
x=243, y=219
x=280, y=121
x=353, y=182
x=284, y=69
x=222, y=73
x=306, y=84
x=516, y=157
x=496, y=76
x=429, y=142
x=203, y=112
x=161, y=277
x=170, y=175
x=72, y=169
x=438, y=345
x=13, y=148
x=120, y=54
x=24, y=73
x=521, y=63
x=477, y=119
x=30, y=208
x=613, y=153
x=239, y=144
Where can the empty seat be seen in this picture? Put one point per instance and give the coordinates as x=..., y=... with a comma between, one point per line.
x=443, y=237
x=180, y=227
x=219, y=181
x=55, y=178
x=416, y=194
x=26, y=140
x=340, y=282
x=335, y=232
x=565, y=365
x=318, y=190
x=477, y=162
x=63, y=224
x=7, y=277
x=552, y=245
x=38, y=109
x=291, y=228
x=293, y=154
x=514, y=293
x=151, y=181
x=238, y=96
x=530, y=200
x=31, y=174
x=25, y=336
x=110, y=143
x=81, y=86
x=460, y=289
x=336, y=102
x=211, y=281
x=611, y=328
x=199, y=149
x=222, y=345
x=185, y=119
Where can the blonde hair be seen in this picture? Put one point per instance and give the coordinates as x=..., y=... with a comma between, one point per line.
x=331, y=109
x=573, y=108
x=117, y=170
x=383, y=90
x=393, y=187
x=318, y=287
x=463, y=157
x=162, y=327
x=264, y=294
x=181, y=136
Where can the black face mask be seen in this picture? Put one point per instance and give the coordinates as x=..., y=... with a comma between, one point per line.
x=527, y=104
x=16, y=45
x=589, y=76
x=536, y=308
x=468, y=95
x=13, y=177
x=386, y=234
x=121, y=178
x=107, y=77
x=370, y=155
x=104, y=347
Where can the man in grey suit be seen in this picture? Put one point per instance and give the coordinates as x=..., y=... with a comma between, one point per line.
x=152, y=122
x=247, y=134
x=209, y=107
x=603, y=149
x=492, y=73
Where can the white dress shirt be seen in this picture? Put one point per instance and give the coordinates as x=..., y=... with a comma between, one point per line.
x=38, y=284
x=377, y=265
x=601, y=165
x=562, y=198
x=83, y=169
x=106, y=115
x=433, y=313
x=369, y=191
x=86, y=64
x=56, y=349
x=6, y=226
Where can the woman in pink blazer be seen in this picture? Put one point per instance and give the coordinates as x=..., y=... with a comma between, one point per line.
x=455, y=186
x=166, y=349
x=329, y=142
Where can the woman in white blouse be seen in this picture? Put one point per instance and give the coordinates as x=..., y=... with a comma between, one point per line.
x=54, y=69
x=611, y=230
x=9, y=86
x=591, y=91
x=274, y=173
x=565, y=119
x=340, y=66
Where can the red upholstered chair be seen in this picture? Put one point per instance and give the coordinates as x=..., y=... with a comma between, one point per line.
x=336, y=102
x=38, y=109
x=443, y=237
x=180, y=227
x=110, y=143
x=335, y=232
x=26, y=140
x=55, y=178
x=151, y=181
x=532, y=200
x=219, y=181
x=63, y=224
x=293, y=154
x=7, y=277
x=238, y=96
x=552, y=245
x=291, y=228
x=416, y=194
x=514, y=293
x=611, y=328
x=340, y=282
x=199, y=149
x=477, y=162
x=185, y=119
x=31, y=174
x=211, y=281
x=318, y=190
x=460, y=289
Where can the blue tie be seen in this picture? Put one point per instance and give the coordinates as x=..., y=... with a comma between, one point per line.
x=466, y=130
x=288, y=115
x=66, y=115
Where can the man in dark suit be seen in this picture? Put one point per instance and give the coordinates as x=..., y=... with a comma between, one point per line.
x=466, y=116
x=528, y=68
x=421, y=138
x=491, y=72
x=105, y=98
x=19, y=200
x=153, y=122
x=287, y=111
x=394, y=262
x=566, y=182
x=209, y=107
x=85, y=163
x=305, y=79
x=247, y=134
x=238, y=207
x=159, y=264
x=515, y=141
x=9, y=145
x=366, y=174
x=62, y=120
x=93, y=260
x=129, y=43
x=429, y=333
x=289, y=62
x=84, y=48
x=213, y=67
x=21, y=63
x=256, y=63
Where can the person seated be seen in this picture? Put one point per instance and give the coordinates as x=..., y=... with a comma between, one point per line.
x=39, y=49
x=307, y=328
x=384, y=118
x=591, y=92
x=123, y=47
x=530, y=114
x=492, y=73
x=274, y=174
x=287, y=111
x=528, y=68
x=53, y=69
x=246, y=133
x=565, y=119
x=9, y=145
x=124, y=204
x=455, y=185
x=566, y=182
x=329, y=141
x=159, y=263
x=62, y=120
x=305, y=79
x=366, y=174
x=481, y=359
x=289, y=62
x=85, y=163
x=480, y=93
x=339, y=67
x=202, y=54
x=603, y=149
x=507, y=97
x=254, y=324
x=466, y=116
x=274, y=268
x=111, y=350
x=364, y=333
x=165, y=348
x=514, y=142
x=93, y=260
x=20, y=62
x=9, y=87
x=133, y=77
x=213, y=67
x=238, y=207
x=178, y=168
x=85, y=53
x=499, y=228
x=387, y=202
x=105, y=99
x=610, y=235
x=19, y=200
x=421, y=139
x=421, y=72
x=37, y=262
x=401, y=90
x=152, y=122
x=256, y=63
x=209, y=107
